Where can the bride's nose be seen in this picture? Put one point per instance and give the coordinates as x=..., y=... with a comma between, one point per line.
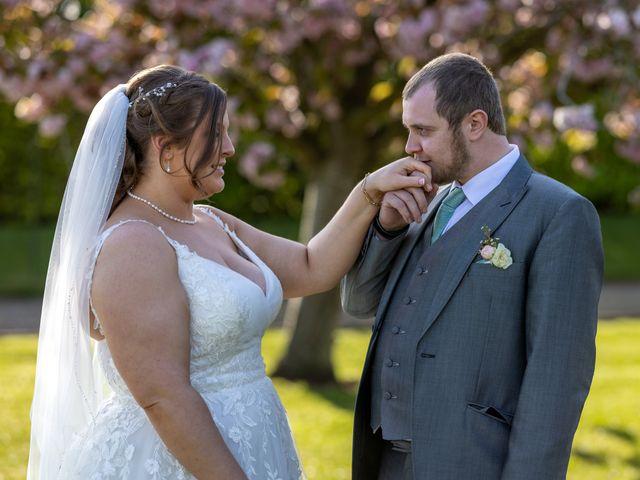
x=228, y=150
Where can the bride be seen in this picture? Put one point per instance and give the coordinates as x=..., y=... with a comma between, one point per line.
x=171, y=299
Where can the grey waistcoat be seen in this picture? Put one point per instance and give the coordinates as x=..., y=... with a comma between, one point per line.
x=395, y=354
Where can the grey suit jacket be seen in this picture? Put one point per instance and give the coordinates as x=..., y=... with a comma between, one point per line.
x=506, y=357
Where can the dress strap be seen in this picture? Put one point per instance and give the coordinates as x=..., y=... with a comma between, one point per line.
x=96, y=251
x=243, y=249
x=209, y=213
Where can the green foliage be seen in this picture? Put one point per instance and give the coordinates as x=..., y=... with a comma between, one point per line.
x=607, y=444
x=24, y=251
x=33, y=171
x=620, y=234
x=24, y=257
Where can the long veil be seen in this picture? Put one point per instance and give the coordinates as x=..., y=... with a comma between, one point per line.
x=66, y=391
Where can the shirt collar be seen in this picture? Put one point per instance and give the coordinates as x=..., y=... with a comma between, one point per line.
x=485, y=181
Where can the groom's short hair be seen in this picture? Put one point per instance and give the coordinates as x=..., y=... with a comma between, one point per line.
x=462, y=84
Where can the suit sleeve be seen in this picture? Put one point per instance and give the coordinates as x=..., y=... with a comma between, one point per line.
x=564, y=283
x=361, y=288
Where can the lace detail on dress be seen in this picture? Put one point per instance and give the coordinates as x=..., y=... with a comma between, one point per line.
x=229, y=315
x=121, y=444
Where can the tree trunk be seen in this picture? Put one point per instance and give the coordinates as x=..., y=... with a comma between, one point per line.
x=313, y=319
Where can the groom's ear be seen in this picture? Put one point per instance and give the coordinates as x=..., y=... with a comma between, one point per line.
x=475, y=125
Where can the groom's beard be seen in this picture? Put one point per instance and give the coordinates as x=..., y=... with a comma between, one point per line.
x=460, y=159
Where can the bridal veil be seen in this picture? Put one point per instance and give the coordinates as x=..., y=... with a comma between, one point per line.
x=67, y=390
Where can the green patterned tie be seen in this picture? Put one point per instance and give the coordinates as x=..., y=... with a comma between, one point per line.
x=453, y=199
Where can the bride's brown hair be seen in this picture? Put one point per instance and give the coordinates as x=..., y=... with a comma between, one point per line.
x=176, y=113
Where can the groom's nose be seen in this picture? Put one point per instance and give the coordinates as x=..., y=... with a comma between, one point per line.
x=412, y=146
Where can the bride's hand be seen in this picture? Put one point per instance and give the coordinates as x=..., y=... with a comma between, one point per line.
x=397, y=176
x=401, y=207
x=404, y=188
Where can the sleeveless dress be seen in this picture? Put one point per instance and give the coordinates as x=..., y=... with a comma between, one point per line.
x=229, y=315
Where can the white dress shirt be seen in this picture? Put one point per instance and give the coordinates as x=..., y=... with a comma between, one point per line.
x=482, y=184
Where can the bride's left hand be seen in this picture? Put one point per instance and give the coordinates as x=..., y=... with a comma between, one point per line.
x=405, y=173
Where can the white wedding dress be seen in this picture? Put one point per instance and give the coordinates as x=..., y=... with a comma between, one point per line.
x=229, y=315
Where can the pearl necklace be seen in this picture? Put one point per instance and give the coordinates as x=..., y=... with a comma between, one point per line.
x=159, y=210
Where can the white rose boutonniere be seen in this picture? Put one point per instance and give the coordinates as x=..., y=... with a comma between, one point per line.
x=494, y=252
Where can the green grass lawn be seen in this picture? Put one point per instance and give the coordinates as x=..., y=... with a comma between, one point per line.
x=607, y=445
x=24, y=252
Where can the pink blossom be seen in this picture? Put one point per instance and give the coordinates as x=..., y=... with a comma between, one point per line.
x=256, y=156
x=487, y=252
x=629, y=150
x=52, y=125
x=413, y=32
x=592, y=70
x=275, y=118
x=635, y=17
x=581, y=166
x=634, y=197
x=509, y=5
x=540, y=114
x=620, y=22
x=576, y=116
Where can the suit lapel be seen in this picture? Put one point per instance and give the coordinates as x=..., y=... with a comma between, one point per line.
x=461, y=243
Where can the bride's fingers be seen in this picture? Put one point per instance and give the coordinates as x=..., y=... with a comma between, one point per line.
x=412, y=165
x=428, y=184
x=404, y=181
x=404, y=173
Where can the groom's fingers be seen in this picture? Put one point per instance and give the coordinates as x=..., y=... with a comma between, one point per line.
x=423, y=195
x=393, y=201
x=420, y=198
x=408, y=206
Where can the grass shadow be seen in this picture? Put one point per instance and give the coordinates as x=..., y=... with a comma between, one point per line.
x=589, y=457
x=619, y=433
x=341, y=395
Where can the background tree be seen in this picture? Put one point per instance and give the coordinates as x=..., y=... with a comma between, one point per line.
x=317, y=84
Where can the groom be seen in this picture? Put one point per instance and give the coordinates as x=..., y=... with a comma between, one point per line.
x=483, y=345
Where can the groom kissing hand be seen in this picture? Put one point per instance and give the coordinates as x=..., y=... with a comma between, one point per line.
x=483, y=344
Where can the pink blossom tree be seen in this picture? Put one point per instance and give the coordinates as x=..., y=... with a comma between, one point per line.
x=319, y=83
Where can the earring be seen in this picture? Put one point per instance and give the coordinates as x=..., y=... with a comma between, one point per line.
x=167, y=166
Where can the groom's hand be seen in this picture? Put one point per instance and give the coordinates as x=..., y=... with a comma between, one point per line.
x=402, y=207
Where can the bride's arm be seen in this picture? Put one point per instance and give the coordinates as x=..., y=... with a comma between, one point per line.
x=319, y=266
x=145, y=317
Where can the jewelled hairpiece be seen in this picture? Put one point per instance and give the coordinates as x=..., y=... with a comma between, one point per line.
x=156, y=92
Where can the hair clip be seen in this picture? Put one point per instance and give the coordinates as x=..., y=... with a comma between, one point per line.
x=156, y=92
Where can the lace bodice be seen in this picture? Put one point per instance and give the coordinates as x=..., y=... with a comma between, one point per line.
x=229, y=315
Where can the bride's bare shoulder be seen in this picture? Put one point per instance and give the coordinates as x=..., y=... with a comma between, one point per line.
x=135, y=269
x=134, y=255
